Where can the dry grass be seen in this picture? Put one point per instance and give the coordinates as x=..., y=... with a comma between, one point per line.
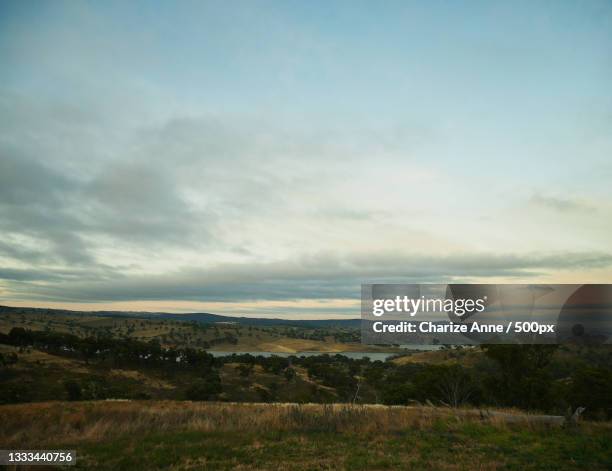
x=143, y=378
x=441, y=357
x=33, y=356
x=46, y=423
x=153, y=435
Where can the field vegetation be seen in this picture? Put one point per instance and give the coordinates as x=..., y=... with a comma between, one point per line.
x=128, y=401
x=43, y=365
x=125, y=435
x=220, y=336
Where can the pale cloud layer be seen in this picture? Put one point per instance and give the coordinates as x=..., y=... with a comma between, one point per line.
x=154, y=167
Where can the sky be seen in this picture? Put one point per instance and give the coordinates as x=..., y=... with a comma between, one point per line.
x=266, y=158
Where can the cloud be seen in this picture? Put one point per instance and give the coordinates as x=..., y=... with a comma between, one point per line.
x=564, y=205
x=215, y=208
x=84, y=190
x=72, y=199
x=33, y=203
x=141, y=164
x=323, y=276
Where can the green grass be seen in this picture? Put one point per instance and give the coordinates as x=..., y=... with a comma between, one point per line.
x=175, y=435
x=445, y=445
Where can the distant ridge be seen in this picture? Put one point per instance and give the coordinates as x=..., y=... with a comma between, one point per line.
x=199, y=317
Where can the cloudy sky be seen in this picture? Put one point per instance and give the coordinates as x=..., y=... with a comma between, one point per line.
x=266, y=158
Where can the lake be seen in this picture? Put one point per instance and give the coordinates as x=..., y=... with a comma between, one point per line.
x=382, y=356
x=355, y=355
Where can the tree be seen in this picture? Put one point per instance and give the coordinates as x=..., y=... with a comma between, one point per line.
x=245, y=369
x=73, y=389
x=20, y=336
x=591, y=388
x=289, y=374
x=454, y=385
x=522, y=379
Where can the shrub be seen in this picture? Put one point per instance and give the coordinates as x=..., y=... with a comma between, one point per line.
x=204, y=389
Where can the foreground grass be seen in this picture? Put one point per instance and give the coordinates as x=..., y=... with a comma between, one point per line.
x=178, y=435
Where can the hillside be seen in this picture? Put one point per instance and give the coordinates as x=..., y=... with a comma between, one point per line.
x=199, y=317
x=34, y=376
x=466, y=356
x=207, y=331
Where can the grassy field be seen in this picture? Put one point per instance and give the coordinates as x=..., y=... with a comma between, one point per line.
x=111, y=435
x=256, y=422
x=219, y=336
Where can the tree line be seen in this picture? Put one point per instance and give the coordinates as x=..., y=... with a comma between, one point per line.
x=546, y=378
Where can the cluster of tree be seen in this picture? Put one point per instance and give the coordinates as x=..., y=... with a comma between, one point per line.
x=334, y=371
x=348, y=336
x=304, y=334
x=319, y=334
x=8, y=359
x=114, y=351
x=530, y=377
x=206, y=387
x=272, y=364
x=537, y=377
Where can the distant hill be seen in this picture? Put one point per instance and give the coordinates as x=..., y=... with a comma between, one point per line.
x=199, y=317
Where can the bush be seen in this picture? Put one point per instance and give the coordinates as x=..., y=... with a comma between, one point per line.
x=591, y=389
x=204, y=389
